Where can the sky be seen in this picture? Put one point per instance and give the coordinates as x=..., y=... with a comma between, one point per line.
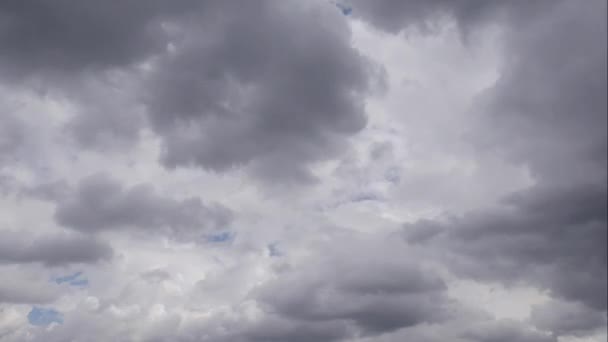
x=303, y=171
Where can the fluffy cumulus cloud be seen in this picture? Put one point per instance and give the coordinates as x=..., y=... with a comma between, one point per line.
x=288, y=171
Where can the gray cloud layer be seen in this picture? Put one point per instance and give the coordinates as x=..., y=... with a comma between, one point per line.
x=58, y=249
x=100, y=203
x=25, y=291
x=375, y=296
x=273, y=87
x=88, y=35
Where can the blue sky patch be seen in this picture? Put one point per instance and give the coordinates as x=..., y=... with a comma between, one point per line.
x=220, y=237
x=273, y=250
x=42, y=316
x=75, y=279
x=346, y=10
x=364, y=196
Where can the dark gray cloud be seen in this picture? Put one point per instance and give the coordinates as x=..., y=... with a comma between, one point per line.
x=567, y=318
x=337, y=295
x=86, y=55
x=263, y=85
x=100, y=203
x=548, y=109
x=259, y=85
x=395, y=15
x=548, y=237
x=546, y=112
x=315, y=303
x=58, y=249
x=372, y=294
x=87, y=35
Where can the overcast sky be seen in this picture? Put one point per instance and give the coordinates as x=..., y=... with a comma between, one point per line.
x=303, y=171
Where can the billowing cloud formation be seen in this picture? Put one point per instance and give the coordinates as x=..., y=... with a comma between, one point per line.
x=101, y=203
x=548, y=112
x=150, y=142
x=228, y=85
x=554, y=238
x=371, y=292
x=269, y=89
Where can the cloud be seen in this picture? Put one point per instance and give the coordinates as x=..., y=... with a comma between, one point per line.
x=547, y=113
x=371, y=295
x=68, y=37
x=101, y=203
x=156, y=275
x=223, y=86
x=51, y=249
x=269, y=89
x=395, y=16
x=14, y=290
x=221, y=99
x=11, y=137
x=548, y=237
x=504, y=331
x=567, y=318
x=547, y=110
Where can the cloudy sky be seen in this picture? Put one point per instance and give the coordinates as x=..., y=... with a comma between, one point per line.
x=303, y=171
